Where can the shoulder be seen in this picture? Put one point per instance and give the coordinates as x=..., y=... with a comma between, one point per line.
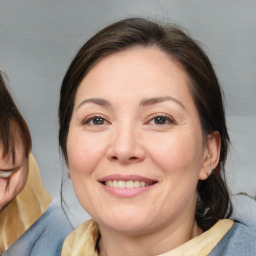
x=244, y=210
x=82, y=241
x=240, y=240
x=45, y=237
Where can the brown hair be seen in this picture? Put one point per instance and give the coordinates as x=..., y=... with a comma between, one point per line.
x=213, y=196
x=9, y=114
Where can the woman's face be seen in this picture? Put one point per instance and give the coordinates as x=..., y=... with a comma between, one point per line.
x=135, y=145
x=13, y=175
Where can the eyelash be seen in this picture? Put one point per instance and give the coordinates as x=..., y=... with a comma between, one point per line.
x=101, y=120
x=94, y=118
x=167, y=120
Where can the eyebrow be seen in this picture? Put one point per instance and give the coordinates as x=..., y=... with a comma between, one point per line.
x=144, y=102
x=96, y=101
x=157, y=100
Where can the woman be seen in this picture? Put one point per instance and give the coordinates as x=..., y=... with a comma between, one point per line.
x=29, y=223
x=143, y=133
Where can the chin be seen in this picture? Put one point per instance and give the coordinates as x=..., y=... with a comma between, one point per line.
x=129, y=221
x=132, y=227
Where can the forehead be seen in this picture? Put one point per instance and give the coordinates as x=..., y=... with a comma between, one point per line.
x=140, y=69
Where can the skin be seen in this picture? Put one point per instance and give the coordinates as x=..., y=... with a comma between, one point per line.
x=12, y=186
x=127, y=133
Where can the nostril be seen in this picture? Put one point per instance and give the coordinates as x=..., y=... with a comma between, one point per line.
x=129, y=159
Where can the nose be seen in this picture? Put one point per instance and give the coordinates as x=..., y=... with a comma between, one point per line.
x=126, y=146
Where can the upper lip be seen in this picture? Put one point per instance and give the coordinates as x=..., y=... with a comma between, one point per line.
x=118, y=177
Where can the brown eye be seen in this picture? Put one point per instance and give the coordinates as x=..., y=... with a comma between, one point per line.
x=162, y=120
x=96, y=120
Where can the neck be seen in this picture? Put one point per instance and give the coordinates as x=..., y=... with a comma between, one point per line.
x=164, y=239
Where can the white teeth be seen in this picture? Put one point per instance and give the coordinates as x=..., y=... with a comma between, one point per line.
x=121, y=184
x=129, y=184
x=5, y=174
x=109, y=183
x=126, y=184
x=136, y=184
x=115, y=184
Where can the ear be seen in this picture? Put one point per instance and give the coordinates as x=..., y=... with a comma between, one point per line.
x=211, y=155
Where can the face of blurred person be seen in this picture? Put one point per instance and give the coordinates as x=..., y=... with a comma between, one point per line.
x=135, y=145
x=13, y=174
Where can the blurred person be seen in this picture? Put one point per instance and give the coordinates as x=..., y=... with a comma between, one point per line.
x=30, y=223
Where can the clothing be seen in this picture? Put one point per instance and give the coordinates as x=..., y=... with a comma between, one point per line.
x=83, y=241
x=203, y=244
x=241, y=239
x=236, y=237
x=45, y=237
x=30, y=224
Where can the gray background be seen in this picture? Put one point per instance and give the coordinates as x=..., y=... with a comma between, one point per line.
x=39, y=38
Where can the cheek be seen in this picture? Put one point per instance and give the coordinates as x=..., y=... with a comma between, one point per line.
x=84, y=153
x=177, y=154
x=12, y=187
x=21, y=178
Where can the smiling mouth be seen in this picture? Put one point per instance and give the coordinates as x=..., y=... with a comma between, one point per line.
x=127, y=184
x=6, y=174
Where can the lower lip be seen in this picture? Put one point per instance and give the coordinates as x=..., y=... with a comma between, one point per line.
x=126, y=192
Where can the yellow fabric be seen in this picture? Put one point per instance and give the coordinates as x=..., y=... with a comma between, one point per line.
x=83, y=240
x=24, y=209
